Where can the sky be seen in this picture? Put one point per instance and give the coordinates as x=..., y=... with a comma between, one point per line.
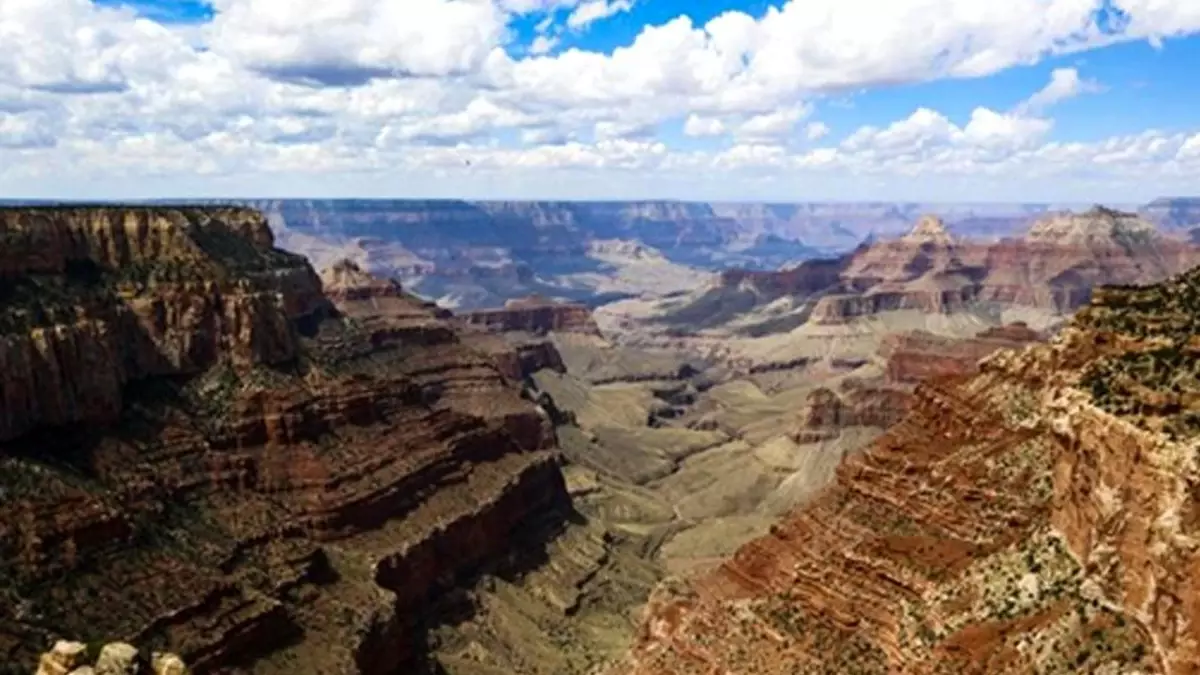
x=785, y=100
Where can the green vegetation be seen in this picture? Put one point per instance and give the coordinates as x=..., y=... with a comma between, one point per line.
x=1162, y=379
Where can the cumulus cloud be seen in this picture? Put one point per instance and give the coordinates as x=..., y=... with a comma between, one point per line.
x=362, y=86
x=591, y=11
x=1064, y=83
x=542, y=44
x=696, y=125
x=816, y=130
x=773, y=125
x=353, y=41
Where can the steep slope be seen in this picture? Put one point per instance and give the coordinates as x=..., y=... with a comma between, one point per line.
x=1050, y=271
x=534, y=314
x=1173, y=213
x=1037, y=517
x=475, y=254
x=199, y=453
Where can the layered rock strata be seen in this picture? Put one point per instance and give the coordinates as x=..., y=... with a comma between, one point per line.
x=534, y=315
x=1052, y=269
x=225, y=467
x=908, y=359
x=1038, y=516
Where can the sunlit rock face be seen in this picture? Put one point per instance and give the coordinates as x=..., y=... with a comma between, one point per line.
x=1039, y=515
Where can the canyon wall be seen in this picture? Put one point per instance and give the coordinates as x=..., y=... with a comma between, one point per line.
x=199, y=453
x=534, y=315
x=1037, y=516
x=1051, y=269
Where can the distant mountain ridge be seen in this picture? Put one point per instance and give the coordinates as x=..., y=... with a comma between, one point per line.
x=1053, y=267
x=477, y=254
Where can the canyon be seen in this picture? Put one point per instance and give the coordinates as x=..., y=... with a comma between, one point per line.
x=928, y=279
x=202, y=453
x=473, y=255
x=1037, y=516
x=267, y=469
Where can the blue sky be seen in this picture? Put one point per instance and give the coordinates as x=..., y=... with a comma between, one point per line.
x=830, y=98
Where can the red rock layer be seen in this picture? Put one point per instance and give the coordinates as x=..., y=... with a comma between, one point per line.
x=278, y=515
x=919, y=355
x=910, y=358
x=68, y=347
x=534, y=315
x=1053, y=269
x=1006, y=525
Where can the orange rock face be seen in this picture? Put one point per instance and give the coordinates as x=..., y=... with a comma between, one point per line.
x=911, y=358
x=1053, y=268
x=281, y=484
x=68, y=345
x=534, y=315
x=918, y=356
x=1022, y=519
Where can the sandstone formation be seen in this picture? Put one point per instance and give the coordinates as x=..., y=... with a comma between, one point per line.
x=199, y=454
x=918, y=356
x=473, y=255
x=69, y=343
x=1039, y=516
x=534, y=315
x=1052, y=269
x=908, y=359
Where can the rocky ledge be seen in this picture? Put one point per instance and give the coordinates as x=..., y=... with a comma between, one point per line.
x=198, y=454
x=1052, y=269
x=92, y=299
x=115, y=658
x=1041, y=515
x=535, y=315
x=908, y=359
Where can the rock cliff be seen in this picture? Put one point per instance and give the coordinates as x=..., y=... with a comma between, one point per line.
x=91, y=299
x=908, y=359
x=534, y=315
x=200, y=455
x=1052, y=269
x=918, y=356
x=1037, y=516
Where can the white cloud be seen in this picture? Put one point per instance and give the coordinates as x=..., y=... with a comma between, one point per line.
x=1064, y=83
x=87, y=92
x=542, y=44
x=353, y=41
x=814, y=131
x=703, y=126
x=591, y=11
x=773, y=125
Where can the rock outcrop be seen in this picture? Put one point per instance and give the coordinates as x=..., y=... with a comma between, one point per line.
x=200, y=455
x=1037, y=516
x=92, y=299
x=918, y=356
x=1173, y=213
x=535, y=315
x=929, y=230
x=1052, y=269
x=908, y=359
x=115, y=658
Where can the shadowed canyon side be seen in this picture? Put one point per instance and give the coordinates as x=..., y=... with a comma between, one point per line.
x=224, y=465
x=470, y=255
x=1038, y=516
x=534, y=315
